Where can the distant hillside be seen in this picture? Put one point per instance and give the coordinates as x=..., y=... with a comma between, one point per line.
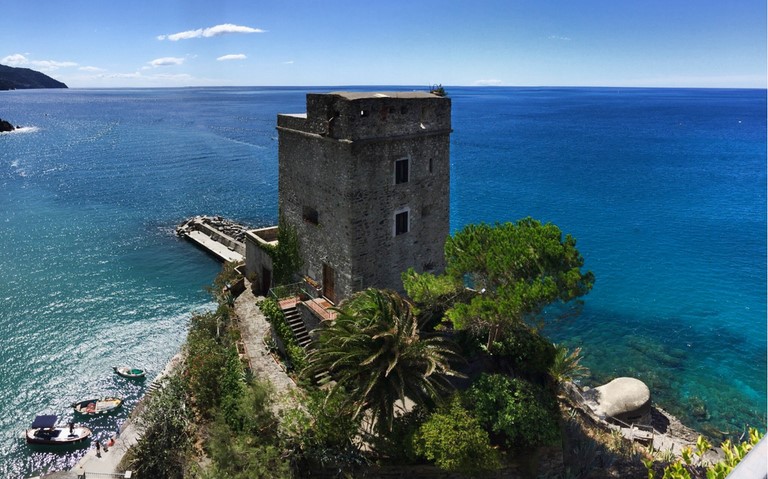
x=23, y=78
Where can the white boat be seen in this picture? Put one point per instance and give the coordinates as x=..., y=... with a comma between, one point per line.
x=127, y=372
x=44, y=430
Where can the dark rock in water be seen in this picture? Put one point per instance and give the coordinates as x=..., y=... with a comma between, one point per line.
x=5, y=126
x=698, y=408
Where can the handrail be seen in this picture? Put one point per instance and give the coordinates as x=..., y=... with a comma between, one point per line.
x=293, y=289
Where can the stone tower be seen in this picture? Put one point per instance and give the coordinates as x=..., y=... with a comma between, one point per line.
x=365, y=180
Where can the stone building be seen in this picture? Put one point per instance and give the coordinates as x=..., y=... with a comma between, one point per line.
x=364, y=178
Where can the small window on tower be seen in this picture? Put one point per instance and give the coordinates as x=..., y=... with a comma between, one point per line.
x=401, y=223
x=401, y=171
x=310, y=215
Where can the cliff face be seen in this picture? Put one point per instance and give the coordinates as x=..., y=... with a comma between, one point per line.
x=23, y=78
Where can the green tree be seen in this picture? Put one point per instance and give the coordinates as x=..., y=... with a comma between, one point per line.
x=378, y=357
x=432, y=295
x=517, y=269
x=516, y=411
x=456, y=441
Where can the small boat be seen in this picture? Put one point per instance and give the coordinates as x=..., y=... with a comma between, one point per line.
x=126, y=372
x=44, y=430
x=97, y=407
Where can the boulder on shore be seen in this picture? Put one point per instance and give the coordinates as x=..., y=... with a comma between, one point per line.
x=625, y=399
x=5, y=126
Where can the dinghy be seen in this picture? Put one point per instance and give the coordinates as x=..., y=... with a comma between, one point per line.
x=126, y=372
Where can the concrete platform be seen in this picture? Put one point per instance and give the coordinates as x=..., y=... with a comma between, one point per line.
x=214, y=247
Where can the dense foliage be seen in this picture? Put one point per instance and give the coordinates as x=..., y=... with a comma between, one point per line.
x=167, y=427
x=243, y=443
x=376, y=354
x=455, y=441
x=688, y=467
x=517, y=412
x=323, y=434
x=391, y=365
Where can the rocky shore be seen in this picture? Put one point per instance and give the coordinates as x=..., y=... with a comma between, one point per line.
x=230, y=228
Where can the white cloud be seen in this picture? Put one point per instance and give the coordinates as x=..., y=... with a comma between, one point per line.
x=490, y=82
x=52, y=64
x=14, y=60
x=209, y=32
x=166, y=61
x=558, y=37
x=17, y=59
x=122, y=75
x=91, y=69
x=289, y=62
x=236, y=56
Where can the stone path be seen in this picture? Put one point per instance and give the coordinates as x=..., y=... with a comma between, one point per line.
x=253, y=328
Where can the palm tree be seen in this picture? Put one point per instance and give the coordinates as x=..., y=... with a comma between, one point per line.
x=377, y=356
x=566, y=365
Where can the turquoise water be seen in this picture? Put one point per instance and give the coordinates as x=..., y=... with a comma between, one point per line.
x=665, y=191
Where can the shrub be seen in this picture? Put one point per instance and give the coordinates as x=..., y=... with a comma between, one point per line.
x=323, y=434
x=685, y=468
x=521, y=414
x=456, y=441
x=167, y=431
x=243, y=442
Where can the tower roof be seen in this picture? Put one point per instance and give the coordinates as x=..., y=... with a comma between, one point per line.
x=355, y=95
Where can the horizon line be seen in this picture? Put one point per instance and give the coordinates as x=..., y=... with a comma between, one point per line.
x=404, y=86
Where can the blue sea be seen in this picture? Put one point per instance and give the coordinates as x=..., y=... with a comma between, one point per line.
x=664, y=190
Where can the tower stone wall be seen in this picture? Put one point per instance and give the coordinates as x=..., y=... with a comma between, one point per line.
x=365, y=179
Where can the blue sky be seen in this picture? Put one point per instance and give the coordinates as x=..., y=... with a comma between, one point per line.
x=142, y=43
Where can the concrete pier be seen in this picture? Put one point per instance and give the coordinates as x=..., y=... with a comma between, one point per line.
x=222, y=238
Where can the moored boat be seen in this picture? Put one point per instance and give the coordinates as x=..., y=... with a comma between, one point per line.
x=126, y=372
x=96, y=407
x=44, y=430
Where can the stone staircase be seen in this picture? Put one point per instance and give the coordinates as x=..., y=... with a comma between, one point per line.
x=293, y=318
